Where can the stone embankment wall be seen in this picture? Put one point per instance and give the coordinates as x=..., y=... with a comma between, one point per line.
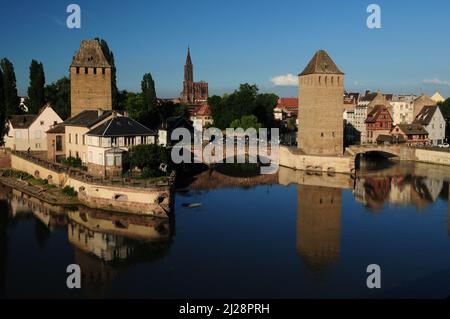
x=291, y=158
x=433, y=157
x=154, y=201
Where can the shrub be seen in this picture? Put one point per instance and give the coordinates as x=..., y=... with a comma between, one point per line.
x=69, y=191
x=74, y=162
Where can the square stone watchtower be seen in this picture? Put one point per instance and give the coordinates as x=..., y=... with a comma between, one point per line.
x=321, y=101
x=90, y=79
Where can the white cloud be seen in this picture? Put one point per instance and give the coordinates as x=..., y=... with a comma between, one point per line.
x=285, y=80
x=436, y=82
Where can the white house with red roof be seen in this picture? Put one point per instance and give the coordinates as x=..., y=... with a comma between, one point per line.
x=286, y=107
x=201, y=117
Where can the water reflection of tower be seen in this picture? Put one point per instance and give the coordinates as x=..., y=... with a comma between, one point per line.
x=318, y=225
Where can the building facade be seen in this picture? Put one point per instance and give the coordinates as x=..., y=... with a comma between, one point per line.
x=76, y=128
x=432, y=119
x=365, y=105
x=193, y=92
x=379, y=122
x=28, y=132
x=412, y=134
x=321, y=90
x=90, y=78
x=107, y=143
x=56, y=143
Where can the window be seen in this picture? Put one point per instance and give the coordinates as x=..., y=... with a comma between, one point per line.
x=95, y=70
x=70, y=138
x=42, y=123
x=321, y=134
x=38, y=145
x=58, y=143
x=110, y=159
x=103, y=71
x=77, y=155
x=78, y=70
x=86, y=70
x=76, y=138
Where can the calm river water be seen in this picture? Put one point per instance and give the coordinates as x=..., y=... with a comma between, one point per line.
x=292, y=235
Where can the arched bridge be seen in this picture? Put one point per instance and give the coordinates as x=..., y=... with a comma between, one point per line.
x=390, y=150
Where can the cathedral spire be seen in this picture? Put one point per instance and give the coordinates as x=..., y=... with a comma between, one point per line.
x=188, y=68
x=188, y=57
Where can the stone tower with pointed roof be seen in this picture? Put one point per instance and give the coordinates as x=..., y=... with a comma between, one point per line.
x=321, y=100
x=90, y=79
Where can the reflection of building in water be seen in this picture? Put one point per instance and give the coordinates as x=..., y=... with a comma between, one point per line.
x=105, y=234
x=374, y=192
x=97, y=275
x=105, y=242
x=49, y=215
x=318, y=225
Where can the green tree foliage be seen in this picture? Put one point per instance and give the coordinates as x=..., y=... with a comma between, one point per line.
x=445, y=108
x=149, y=99
x=148, y=158
x=110, y=58
x=11, y=99
x=149, y=111
x=2, y=109
x=243, y=102
x=246, y=122
x=36, y=96
x=58, y=95
x=133, y=105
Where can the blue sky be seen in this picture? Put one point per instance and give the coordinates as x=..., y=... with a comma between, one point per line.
x=238, y=41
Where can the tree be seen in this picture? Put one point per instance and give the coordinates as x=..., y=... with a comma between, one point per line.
x=243, y=102
x=57, y=94
x=110, y=58
x=149, y=99
x=150, y=116
x=36, y=95
x=2, y=109
x=148, y=158
x=445, y=108
x=11, y=99
x=246, y=122
x=133, y=105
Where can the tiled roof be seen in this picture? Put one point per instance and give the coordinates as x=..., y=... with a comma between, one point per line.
x=87, y=118
x=321, y=63
x=373, y=115
x=426, y=114
x=121, y=126
x=412, y=129
x=22, y=121
x=202, y=110
x=57, y=129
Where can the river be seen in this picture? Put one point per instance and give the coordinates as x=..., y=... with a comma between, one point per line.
x=290, y=235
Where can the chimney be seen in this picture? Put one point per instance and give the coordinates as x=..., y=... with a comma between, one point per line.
x=100, y=112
